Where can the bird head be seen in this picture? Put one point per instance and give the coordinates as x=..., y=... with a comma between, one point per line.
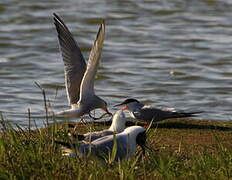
x=101, y=104
x=127, y=103
x=141, y=140
x=136, y=137
x=118, y=122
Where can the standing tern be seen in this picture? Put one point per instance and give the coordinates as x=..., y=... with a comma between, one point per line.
x=139, y=111
x=117, y=126
x=79, y=78
x=127, y=142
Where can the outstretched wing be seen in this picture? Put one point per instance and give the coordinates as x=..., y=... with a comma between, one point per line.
x=74, y=62
x=87, y=84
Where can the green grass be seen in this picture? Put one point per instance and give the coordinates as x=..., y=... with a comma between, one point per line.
x=181, y=149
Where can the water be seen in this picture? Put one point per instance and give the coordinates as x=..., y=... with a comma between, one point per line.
x=165, y=53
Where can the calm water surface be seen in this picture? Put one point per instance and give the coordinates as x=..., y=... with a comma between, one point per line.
x=166, y=53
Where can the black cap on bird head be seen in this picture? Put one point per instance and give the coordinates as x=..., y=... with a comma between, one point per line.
x=127, y=101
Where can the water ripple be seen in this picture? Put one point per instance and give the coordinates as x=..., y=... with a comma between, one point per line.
x=166, y=53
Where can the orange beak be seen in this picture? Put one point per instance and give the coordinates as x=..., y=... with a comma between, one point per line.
x=124, y=108
x=146, y=126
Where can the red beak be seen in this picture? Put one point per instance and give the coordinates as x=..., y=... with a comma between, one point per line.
x=124, y=108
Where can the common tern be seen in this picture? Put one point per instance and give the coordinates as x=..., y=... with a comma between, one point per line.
x=117, y=126
x=139, y=111
x=127, y=142
x=79, y=78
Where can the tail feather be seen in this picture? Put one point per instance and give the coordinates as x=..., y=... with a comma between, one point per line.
x=185, y=114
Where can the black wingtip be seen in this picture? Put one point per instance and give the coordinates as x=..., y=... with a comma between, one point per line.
x=59, y=23
x=101, y=29
x=54, y=14
x=195, y=113
x=190, y=114
x=56, y=17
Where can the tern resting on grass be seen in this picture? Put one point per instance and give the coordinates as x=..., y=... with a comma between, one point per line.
x=126, y=143
x=139, y=111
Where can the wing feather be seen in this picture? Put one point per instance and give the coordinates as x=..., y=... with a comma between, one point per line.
x=74, y=62
x=87, y=84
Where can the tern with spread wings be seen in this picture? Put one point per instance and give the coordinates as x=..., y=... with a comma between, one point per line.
x=79, y=78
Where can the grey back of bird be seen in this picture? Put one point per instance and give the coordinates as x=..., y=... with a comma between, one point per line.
x=103, y=147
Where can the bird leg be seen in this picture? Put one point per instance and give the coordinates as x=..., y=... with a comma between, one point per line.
x=97, y=118
x=82, y=120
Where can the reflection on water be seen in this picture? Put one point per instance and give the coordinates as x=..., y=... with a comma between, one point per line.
x=166, y=53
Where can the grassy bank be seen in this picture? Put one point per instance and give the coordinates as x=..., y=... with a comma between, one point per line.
x=181, y=149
